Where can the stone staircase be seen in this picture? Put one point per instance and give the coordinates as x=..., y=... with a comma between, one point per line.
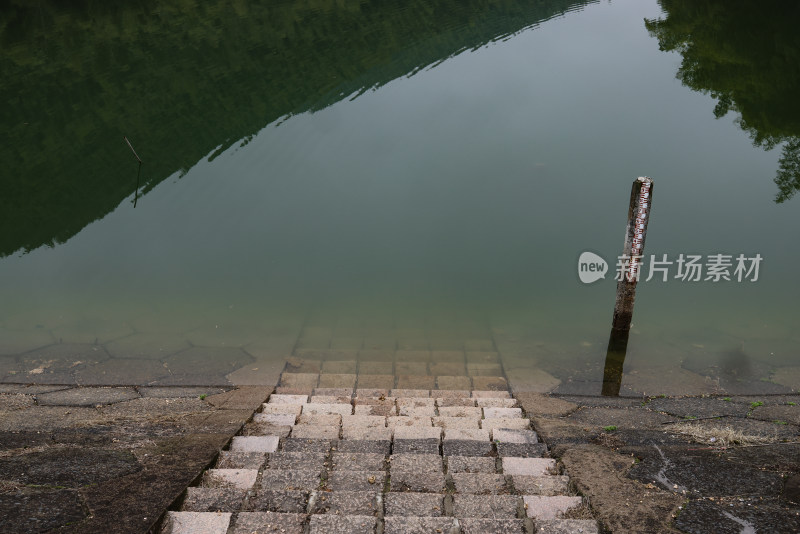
x=326, y=455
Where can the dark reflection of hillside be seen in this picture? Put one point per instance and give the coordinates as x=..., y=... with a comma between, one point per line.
x=181, y=79
x=747, y=56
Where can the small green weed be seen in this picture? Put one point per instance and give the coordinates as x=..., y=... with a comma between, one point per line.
x=610, y=428
x=756, y=404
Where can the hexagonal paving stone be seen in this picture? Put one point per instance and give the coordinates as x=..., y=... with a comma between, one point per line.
x=146, y=346
x=122, y=372
x=202, y=365
x=84, y=396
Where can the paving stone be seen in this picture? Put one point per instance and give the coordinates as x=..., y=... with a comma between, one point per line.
x=305, y=445
x=329, y=399
x=492, y=526
x=342, y=367
x=417, y=432
x=241, y=460
x=484, y=369
x=511, y=423
x=416, y=463
x=492, y=402
x=343, y=524
x=454, y=356
x=356, y=480
x=365, y=446
x=498, y=413
x=461, y=434
x=337, y=381
x=453, y=383
x=528, y=466
x=303, y=461
x=466, y=447
x=416, y=446
x=254, y=428
x=415, y=402
x=380, y=400
x=470, y=412
x=376, y=368
x=491, y=394
x=376, y=410
x=267, y=523
x=496, y=384
x=213, y=500
x=86, y=396
x=289, y=480
x=541, y=485
x=456, y=422
x=301, y=365
x=332, y=408
x=315, y=432
x=549, y=507
x=480, y=483
x=482, y=356
x=509, y=435
x=299, y=380
x=566, y=526
x=418, y=482
x=287, y=399
x=255, y=443
x=193, y=522
x=404, y=420
x=412, y=355
x=276, y=408
x=442, y=402
x=470, y=464
x=417, y=411
x=523, y=450
x=230, y=478
x=364, y=421
x=451, y=369
x=410, y=393
x=352, y=461
x=414, y=504
x=376, y=381
x=277, y=419
x=284, y=501
x=411, y=369
x=370, y=433
x=334, y=392
x=488, y=506
x=281, y=390
x=345, y=503
x=398, y=524
x=371, y=393
x=326, y=419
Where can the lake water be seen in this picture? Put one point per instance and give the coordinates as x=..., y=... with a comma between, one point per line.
x=417, y=175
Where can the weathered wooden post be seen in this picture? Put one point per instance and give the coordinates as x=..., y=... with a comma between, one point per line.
x=632, y=251
x=138, y=172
